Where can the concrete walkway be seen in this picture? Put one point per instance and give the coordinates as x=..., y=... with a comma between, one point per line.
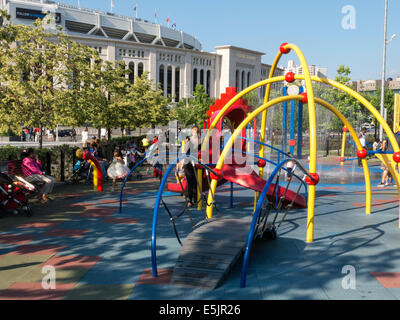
x=99, y=253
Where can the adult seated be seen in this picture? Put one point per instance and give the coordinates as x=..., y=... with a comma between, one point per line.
x=32, y=169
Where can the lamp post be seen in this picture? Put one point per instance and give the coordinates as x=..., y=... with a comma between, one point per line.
x=383, y=69
x=385, y=42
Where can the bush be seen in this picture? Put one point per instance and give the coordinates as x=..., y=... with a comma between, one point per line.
x=58, y=161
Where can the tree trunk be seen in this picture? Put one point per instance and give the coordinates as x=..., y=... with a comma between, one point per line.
x=108, y=134
x=40, y=136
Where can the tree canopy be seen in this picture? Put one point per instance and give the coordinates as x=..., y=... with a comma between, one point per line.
x=46, y=79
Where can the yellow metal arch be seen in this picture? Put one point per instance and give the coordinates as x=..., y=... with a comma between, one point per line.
x=265, y=107
x=313, y=133
x=229, y=144
x=312, y=124
x=359, y=147
x=95, y=175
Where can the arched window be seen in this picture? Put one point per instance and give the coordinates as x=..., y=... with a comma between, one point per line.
x=194, y=78
x=131, y=75
x=237, y=80
x=248, y=78
x=161, y=77
x=243, y=79
x=208, y=77
x=140, y=69
x=169, y=80
x=177, y=84
x=202, y=77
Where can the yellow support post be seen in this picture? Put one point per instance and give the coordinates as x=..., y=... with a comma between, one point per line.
x=313, y=138
x=95, y=175
x=200, y=189
x=396, y=113
x=343, y=147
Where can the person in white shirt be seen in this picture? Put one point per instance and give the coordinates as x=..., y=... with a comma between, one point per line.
x=103, y=133
x=85, y=137
x=363, y=140
x=192, y=146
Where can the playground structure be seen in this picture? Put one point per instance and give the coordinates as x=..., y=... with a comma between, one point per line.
x=97, y=169
x=265, y=191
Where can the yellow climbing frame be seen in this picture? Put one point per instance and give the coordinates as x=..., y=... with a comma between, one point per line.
x=343, y=147
x=312, y=125
x=95, y=175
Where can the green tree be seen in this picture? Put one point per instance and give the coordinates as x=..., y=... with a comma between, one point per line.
x=350, y=107
x=375, y=100
x=109, y=85
x=31, y=76
x=79, y=83
x=193, y=111
x=145, y=106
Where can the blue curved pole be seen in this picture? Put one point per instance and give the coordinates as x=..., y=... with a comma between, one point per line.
x=255, y=219
x=157, y=205
x=155, y=216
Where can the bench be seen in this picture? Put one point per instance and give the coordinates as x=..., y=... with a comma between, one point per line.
x=14, y=168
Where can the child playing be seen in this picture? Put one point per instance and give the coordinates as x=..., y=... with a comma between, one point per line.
x=290, y=166
x=117, y=169
x=377, y=145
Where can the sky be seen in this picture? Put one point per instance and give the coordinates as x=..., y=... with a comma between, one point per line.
x=327, y=35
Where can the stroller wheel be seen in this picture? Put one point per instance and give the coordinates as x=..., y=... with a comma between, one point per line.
x=27, y=209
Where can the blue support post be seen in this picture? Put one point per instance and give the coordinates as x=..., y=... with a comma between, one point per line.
x=231, y=200
x=300, y=127
x=291, y=128
x=284, y=104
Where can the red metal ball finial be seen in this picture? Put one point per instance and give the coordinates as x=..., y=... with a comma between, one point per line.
x=261, y=163
x=289, y=77
x=305, y=98
x=396, y=156
x=282, y=48
x=362, y=153
x=345, y=129
x=314, y=181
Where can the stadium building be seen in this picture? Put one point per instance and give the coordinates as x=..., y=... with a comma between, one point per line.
x=172, y=57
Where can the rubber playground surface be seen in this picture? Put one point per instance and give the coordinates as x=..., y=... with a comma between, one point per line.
x=99, y=253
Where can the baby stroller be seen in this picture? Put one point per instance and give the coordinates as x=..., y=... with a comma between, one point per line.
x=82, y=171
x=14, y=194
